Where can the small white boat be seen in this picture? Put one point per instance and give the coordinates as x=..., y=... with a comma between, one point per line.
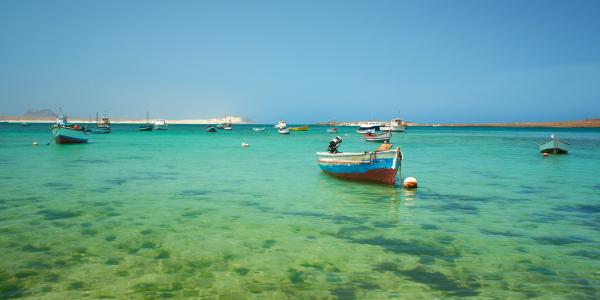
x=554, y=146
x=280, y=124
x=396, y=125
x=284, y=130
x=227, y=127
x=160, y=124
x=369, y=127
x=259, y=129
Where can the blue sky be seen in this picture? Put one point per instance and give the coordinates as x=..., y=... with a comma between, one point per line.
x=303, y=61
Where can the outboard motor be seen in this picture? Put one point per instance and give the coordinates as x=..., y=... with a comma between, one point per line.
x=334, y=144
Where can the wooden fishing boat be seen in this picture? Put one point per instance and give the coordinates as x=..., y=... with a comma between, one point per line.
x=300, y=128
x=554, y=145
x=283, y=130
x=378, y=138
x=396, y=125
x=102, y=126
x=64, y=132
x=211, y=129
x=382, y=165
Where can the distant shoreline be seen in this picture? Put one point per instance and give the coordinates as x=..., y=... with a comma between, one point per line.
x=587, y=123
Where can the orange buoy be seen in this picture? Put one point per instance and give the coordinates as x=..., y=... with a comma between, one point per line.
x=410, y=183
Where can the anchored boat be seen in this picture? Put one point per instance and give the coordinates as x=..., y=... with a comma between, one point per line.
x=283, y=130
x=369, y=127
x=378, y=138
x=160, y=124
x=381, y=165
x=554, y=145
x=102, y=126
x=147, y=126
x=396, y=125
x=64, y=132
x=211, y=129
x=300, y=128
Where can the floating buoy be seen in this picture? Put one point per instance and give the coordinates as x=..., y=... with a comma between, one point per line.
x=410, y=183
x=245, y=145
x=545, y=154
x=34, y=143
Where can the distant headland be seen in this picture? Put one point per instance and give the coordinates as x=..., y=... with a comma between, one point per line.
x=586, y=123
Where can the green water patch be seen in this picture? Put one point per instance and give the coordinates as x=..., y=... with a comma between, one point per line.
x=506, y=233
x=434, y=280
x=429, y=227
x=146, y=231
x=35, y=248
x=266, y=244
x=456, y=207
x=557, y=240
x=110, y=237
x=91, y=161
x=113, y=261
x=163, y=254
x=192, y=214
x=580, y=208
x=193, y=193
x=76, y=285
x=55, y=214
x=58, y=186
x=344, y=231
x=410, y=247
x=241, y=271
x=384, y=225
x=116, y=181
x=593, y=254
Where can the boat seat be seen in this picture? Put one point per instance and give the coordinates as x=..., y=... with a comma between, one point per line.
x=384, y=147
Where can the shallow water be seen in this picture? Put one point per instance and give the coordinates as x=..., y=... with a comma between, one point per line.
x=188, y=214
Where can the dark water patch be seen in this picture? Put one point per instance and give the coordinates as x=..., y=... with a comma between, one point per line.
x=544, y=218
x=321, y=266
x=344, y=293
x=37, y=265
x=28, y=199
x=200, y=264
x=242, y=271
x=149, y=245
x=58, y=186
x=296, y=277
x=349, y=230
x=439, y=281
x=459, y=198
x=133, y=250
x=455, y=206
x=554, y=240
x=429, y=227
x=113, y=261
x=386, y=266
x=384, y=225
x=10, y=290
x=117, y=181
x=339, y=219
x=100, y=190
x=596, y=186
x=163, y=254
x=411, y=247
x=257, y=205
x=33, y=248
x=426, y=260
x=366, y=285
x=191, y=193
x=581, y=208
x=146, y=231
x=25, y=273
x=85, y=225
x=54, y=214
x=541, y=270
x=307, y=214
x=268, y=243
x=89, y=231
x=444, y=239
x=192, y=214
x=91, y=161
x=507, y=233
x=52, y=278
x=110, y=237
x=77, y=285
x=593, y=254
x=122, y=273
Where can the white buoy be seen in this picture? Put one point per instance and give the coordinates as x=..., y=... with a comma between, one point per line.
x=245, y=145
x=410, y=183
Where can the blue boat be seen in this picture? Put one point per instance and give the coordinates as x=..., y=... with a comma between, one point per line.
x=64, y=132
x=381, y=165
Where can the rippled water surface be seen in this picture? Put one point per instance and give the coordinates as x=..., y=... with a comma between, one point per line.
x=188, y=214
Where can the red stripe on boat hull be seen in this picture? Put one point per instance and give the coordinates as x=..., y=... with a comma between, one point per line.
x=387, y=176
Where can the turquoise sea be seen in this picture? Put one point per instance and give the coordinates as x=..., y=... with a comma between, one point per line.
x=188, y=214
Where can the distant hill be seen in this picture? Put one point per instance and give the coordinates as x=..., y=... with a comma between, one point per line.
x=40, y=113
